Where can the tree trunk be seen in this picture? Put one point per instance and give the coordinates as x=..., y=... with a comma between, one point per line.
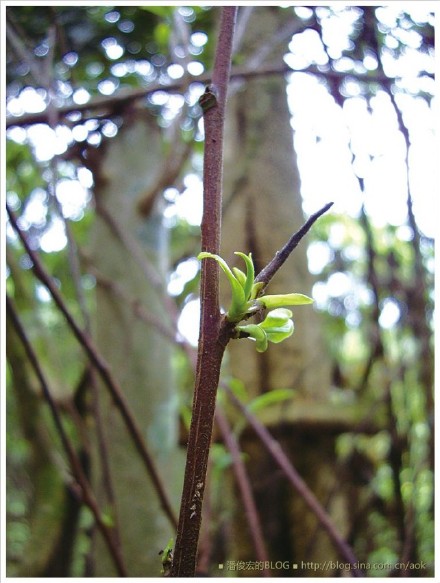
x=139, y=356
x=262, y=208
x=42, y=481
x=52, y=510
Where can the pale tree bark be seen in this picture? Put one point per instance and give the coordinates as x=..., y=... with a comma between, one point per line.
x=262, y=208
x=140, y=356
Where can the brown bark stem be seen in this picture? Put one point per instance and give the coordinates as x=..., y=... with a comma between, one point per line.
x=214, y=334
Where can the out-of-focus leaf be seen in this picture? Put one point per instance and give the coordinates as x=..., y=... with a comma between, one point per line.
x=270, y=398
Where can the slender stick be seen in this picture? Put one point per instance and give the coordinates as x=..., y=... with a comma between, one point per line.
x=147, y=268
x=267, y=273
x=300, y=486
x=104, y=105
x=212, y=341
x=103, y=369
x=245, y=489
x=75, y=464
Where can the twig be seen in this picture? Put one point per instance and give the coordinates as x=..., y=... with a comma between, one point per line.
x=103, y=106
x=221, y=420
x=267, y=273
x=23, y=53
x=211, y=343
x=245, y=489
x=298, y=483
x=135, y=304
x=103, y=369
x=88, y=496
x=171, y=169
x=273, y=447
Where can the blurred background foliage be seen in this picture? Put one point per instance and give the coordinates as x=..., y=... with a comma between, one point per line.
x=72, y=78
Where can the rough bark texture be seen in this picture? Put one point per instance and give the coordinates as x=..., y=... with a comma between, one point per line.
x=214, y=334
x=262, y=208
x=139, y=355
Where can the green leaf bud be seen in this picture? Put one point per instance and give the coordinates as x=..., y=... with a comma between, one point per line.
x=256, y=289
x=276, y=301
x=240, y=276
x=250, y=273
x=277, y=317
x=257, y=333
x=280, y=333
x=238, y=303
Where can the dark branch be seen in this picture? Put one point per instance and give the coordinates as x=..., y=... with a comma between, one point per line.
x=88, y=496
x=211, y=343
x=103, y=369
x=267, y=273
x=245, y=489
x=103, y=106
x=298, y=483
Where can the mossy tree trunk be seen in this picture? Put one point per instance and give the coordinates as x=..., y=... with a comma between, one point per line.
x=262, y=208
x=140, y=357
x=41, y=484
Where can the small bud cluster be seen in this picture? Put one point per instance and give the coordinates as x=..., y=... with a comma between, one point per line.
x=277, y=325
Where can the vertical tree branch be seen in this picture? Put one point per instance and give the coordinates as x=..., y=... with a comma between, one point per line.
x=213, y=338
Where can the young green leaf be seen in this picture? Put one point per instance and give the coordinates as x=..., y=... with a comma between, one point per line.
x=270, y=398
x=167, y=557
x=277, y=317
x=245, y=301
x=240, y=276
x=250, y=273
x=276, y=327
x=257, y=333
x=280, y=333
x=238, y=303
x=276, y=301
x=256, y=288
